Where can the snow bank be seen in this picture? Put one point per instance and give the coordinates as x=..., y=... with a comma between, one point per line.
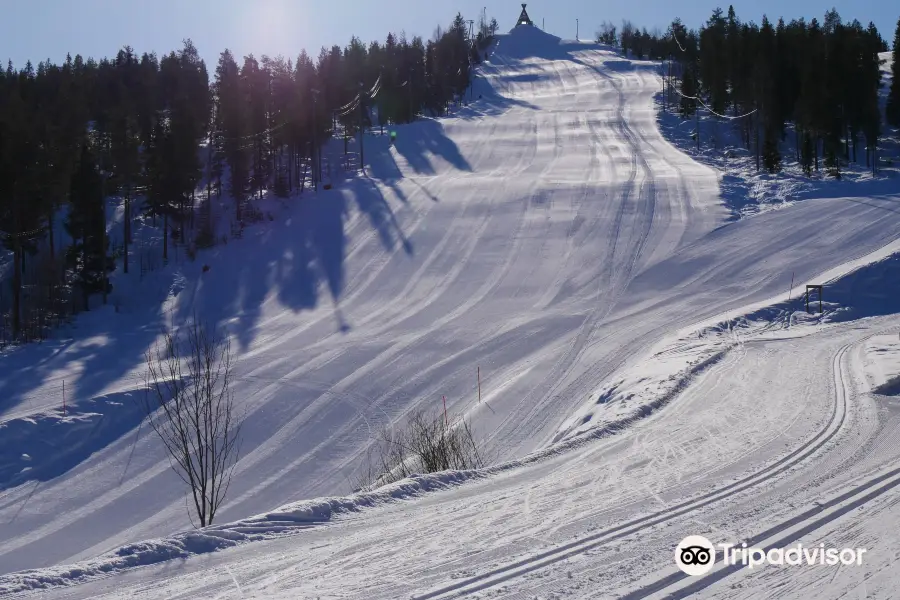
x=870, y=290
x=531, y=42
x=286, y=520
x=882, y=364
x=645, y=389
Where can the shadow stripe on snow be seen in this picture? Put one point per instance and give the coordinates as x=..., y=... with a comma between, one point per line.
x=292, y=519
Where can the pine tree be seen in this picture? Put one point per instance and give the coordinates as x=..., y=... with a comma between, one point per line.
x=688, y=92
x=806, y=153
x=771, y=156
x=870, y=115
x=893, y=102
x=88, y=255
x=714, y=61
x=125, y=155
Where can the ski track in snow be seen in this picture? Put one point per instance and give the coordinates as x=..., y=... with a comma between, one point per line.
x=550, y=235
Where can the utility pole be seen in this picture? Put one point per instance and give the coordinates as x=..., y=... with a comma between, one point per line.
x=576, y=30
x=313, y=155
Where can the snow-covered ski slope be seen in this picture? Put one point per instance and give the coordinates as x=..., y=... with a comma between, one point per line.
x=547, y=234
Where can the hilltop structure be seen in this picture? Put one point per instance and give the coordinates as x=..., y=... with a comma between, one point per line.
x=523, y=18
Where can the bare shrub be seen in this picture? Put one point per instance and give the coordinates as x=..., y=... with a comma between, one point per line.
x=190, y=406
x=205, y=238
x=426, y=444
x=252, y=214
x=607, y=34
x=150, y=260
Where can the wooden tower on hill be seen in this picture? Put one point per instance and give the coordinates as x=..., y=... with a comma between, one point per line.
x=523, y=18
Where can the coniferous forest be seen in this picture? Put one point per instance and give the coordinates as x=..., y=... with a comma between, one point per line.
x=158, y=133
x=821, y=80
x=168, y=129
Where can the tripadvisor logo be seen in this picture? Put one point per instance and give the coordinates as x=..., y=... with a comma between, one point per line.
x=696, y=555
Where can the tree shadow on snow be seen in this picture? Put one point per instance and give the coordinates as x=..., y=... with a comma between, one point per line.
x=104, y=347
x=287, y=263
x=382, y=218
x=382, y=166
x=429, y=138
x=45, y=447
x=290, y=263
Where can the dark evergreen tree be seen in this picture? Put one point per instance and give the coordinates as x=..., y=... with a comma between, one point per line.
x=893, y=101
x=688, y=93
x=88, y=256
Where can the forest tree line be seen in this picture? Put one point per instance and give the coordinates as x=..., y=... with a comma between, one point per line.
x=821, y=78
x=155, y=128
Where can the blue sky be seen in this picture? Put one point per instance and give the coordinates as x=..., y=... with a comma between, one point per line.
x=40, y=29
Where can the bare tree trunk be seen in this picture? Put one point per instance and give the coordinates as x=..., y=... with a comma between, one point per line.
x=756, y=133
x=50, y=232
x=166, y=236
x=127, y=236
x=17, y=288
x=816, y=151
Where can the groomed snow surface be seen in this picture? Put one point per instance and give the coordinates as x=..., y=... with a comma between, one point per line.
x=648, y=372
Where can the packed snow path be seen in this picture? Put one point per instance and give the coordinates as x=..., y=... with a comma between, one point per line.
x=547, y=234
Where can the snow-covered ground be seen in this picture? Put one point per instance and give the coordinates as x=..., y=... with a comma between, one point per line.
x=551, y=235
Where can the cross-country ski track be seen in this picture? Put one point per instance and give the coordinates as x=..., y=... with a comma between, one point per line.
x=548, y=234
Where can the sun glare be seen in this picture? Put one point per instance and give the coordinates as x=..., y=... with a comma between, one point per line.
x=273, y=27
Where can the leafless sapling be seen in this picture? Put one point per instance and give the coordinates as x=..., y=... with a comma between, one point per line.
x=190, y=405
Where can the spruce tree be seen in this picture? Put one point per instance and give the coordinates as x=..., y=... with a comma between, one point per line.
x=770, y=154
x=893, y=102
x=232, y=123
x=688, y=92
x=806, y=153
x=85, y=223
